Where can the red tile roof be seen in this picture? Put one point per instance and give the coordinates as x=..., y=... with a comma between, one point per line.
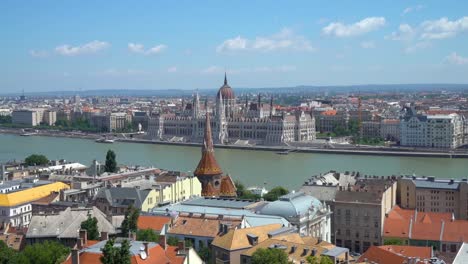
x=152, y=222
x=157, y=255
x=410, y=251
x=381, y=256
x=411, y=224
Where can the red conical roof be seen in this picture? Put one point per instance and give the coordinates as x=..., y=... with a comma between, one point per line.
x=208, y=166
x=208, y=190
x=227, y=187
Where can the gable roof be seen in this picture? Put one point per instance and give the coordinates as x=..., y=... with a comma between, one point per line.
x=66, y=223
x=238, y=238
x=152, y=222
x=381, y=256
x=123, y=197
x=201, y=226
x=410, y=251
x=31, y=194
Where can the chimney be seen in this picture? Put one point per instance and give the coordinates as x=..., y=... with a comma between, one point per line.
x=79, y=243
x=181, y=246
x=84, y=236
x=132, y=236
x=75, y=256
x=162, y=241
x=104, y=236
x=145, y=244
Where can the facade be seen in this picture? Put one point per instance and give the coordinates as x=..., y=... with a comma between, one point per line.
x=232, y=122
x=390, y=129
x=371, y=129
x=34, y=117
x=310, y=216
x=329, y=120
x=435, y=131
x=25, y=117
x=16, y=208
x=119, y=121
x=115, y=200
x=429, y=194
x=169, y=187
x=359, y=213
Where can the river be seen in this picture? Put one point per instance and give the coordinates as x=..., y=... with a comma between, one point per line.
x=251, y=167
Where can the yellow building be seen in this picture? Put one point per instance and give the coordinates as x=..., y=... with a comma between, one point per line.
x=15, y=207
x=173, y=189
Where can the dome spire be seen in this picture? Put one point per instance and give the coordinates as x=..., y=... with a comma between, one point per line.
x=225, y=78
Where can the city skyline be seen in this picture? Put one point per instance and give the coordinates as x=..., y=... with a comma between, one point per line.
x=86, y=46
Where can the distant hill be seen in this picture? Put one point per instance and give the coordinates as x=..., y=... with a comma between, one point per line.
x=303, y=89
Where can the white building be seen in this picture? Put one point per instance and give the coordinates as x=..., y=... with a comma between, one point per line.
x=34, y=117
x=435, y=131
x=231, y=122
x=308, y=214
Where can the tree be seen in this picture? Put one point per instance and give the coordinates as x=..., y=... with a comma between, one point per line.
x=319, y=260
x=36, y=160
x=205, y=254
x=46, y=253
x=147, y=235
x=5, y=120
x=172, y=241
x=6, y=253
x=243, y=193
x=129, y=223
x=116, y=255
x=269, y=255
x=393, y=241
x=275, y=193
x=111, y=163
x=90, y=225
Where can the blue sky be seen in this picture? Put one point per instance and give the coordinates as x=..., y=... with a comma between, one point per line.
x=72, y=45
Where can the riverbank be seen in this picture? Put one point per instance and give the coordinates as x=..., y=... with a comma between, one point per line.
x=317, y=148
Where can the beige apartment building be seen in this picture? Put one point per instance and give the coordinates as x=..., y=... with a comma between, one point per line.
x=428, y=194
x=360, y=210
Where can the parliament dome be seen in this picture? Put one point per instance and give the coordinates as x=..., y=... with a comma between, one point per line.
x=226, y=90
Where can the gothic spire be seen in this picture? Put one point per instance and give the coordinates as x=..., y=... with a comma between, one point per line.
x=225, y=79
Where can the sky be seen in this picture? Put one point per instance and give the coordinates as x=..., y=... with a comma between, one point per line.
x=87, y=45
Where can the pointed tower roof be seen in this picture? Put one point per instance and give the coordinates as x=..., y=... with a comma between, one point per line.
x=208, y=166
x=228, y=188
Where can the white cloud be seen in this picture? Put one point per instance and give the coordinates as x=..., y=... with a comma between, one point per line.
x=286, y=39
x=262, y=69
x=140, y=48
x=417, y=46
x=405, y=32
x=456, y=59
x=88, y=48
x=367, y=45
x=364, y=26
x=443, y=28
x=156, y=49
x=412, y=9
x=172, y=69
x=38, y=53
x=212, y=69
x=135, y=47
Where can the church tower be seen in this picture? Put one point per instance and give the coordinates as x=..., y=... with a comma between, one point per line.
x=208, y=171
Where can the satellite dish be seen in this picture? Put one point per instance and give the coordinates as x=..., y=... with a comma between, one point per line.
x=143, y=255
